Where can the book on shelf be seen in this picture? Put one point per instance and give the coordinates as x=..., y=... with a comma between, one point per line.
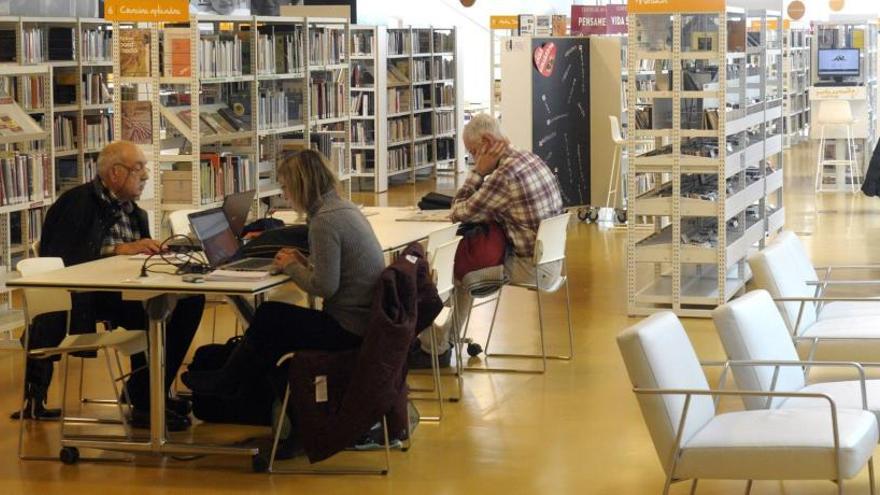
x=66, y=174
x=280, y=50
x=327, y=95
x=33, y=92
x=98, y=131
x=398, y=42
x=223, y=55
x=265, y=174
x=362, y=105
x=398, y=72
x=95, y=89
x=7, y=45
x=32, y=45
x=64, y=88
x=362, y=76
x=97, y=45
x=399, y=129
x=19, y=174
x=176, y=52
x=362, y=43
x=65, y=132
x=221, y=174
x=326, y=46
x=399, y=100
x=137, y=121
x=275, y=108
x=134, y=52
x=61, y=44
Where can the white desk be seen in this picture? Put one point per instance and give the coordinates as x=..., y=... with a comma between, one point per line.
x=392, y=233
x=159, y=293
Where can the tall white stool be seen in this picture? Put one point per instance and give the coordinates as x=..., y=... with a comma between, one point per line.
x=837, y=114
x=607, y=213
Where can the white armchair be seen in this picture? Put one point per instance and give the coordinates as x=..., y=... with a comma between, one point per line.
x=694, y=442
x=848, y=328
x=763, y=358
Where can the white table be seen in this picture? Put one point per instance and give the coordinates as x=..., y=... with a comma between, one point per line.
x=159, y=293
x=393, y=234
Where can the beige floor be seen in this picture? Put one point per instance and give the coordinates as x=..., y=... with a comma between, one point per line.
x=576, y=429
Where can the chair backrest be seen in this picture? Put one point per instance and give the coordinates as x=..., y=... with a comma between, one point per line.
x=751, y=329
x=443, y=263
x=42, y=301
x=178, y=221
x=782, y=275
x=552, y=235
x=439, y=238
x=658, y=354
x=798, y=254
x=833, y=112
x=616, y=135
x=35, y=248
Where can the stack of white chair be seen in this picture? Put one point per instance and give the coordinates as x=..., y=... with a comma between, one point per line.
x=693, y=441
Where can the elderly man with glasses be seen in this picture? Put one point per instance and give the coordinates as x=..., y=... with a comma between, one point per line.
x=91, y=221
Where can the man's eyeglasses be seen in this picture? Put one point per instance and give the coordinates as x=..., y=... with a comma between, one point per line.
x=139, y=168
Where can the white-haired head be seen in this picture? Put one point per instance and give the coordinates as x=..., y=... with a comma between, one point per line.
x=480, y=126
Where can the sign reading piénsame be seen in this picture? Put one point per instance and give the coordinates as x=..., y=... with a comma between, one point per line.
x=673, y=6
x=146, y=10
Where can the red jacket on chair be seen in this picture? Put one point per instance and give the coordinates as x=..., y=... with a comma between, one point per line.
x=336, y=397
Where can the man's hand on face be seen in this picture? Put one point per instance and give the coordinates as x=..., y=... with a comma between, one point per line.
x=143, y=246
x=491, y=152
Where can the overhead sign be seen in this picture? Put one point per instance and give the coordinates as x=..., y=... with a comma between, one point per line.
x=587, y=20
x=503, y=22
x=617, y=23
x=146, y=10
x=674, y=6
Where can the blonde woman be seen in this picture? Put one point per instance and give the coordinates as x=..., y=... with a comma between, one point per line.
x=343, y=267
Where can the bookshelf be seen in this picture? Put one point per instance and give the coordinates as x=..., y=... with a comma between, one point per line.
x=796, y=66
x=223, y=98
x=407, y=120
x=717, y=168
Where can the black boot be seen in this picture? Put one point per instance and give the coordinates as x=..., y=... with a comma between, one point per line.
x=34, y=407
x=244, y=365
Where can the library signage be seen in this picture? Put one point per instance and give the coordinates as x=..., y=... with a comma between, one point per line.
x=616, y=18
x=674, y=6
x=588, y=20
x=504, y=22
x=146, y=10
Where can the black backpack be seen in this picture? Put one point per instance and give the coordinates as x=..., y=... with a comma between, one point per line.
x=253, y=407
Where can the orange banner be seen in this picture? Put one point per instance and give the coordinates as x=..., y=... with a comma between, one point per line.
x=146, y=10
x=503, y=22
x=674, y=6
x=772, y=25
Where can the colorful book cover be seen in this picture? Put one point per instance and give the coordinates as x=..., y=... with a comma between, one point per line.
x=134, y=52
x=137, y=122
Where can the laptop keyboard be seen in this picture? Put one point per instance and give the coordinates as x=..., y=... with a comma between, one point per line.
x=250, y=264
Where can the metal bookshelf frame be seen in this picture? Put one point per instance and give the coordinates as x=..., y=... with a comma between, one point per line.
x=797, y=68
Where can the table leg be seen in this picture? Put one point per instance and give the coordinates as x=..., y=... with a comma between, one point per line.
x=158, y=310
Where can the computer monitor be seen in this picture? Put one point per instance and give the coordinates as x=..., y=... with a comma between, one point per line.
x=212, y=229
x=236, y=206
x=838, y=62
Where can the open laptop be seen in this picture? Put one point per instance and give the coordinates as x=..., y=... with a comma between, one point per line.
x=236, y=207
x=220, y=243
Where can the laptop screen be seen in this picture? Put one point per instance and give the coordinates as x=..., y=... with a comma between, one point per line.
x=212, y=229
x=236, y=206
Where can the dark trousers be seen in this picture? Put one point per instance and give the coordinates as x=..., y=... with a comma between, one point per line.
x=179, y=332
x=280, y=328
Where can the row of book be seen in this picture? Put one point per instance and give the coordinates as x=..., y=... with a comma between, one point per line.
x=445, y=122
x=421, y=101
x=423, y=125
x=444, y=96
x=364, y=161
x=54, y=44
x=280, y=52
x=362, y=132
x=96, y=45
x=422, y=153
x=398, y=42
x=32, y=45
x=399, y=129
x=220, y=56
x=399, y=100
x=98, y=131
x=362, y=75
x=35, y=223
x=327, y=98
x=398, y=159
x=363, y=105
x=278, y=109
x=444, y=68
x=362, y=43
x=422, y=42
x=90, y=168
x=444, y=42
x=446, y=149
x=64, y=127
x=22, y=176
x=421, y=70
x=223, y=174
x=326, y=46
x=398, y=72
x=95, y=89
x=33, y=92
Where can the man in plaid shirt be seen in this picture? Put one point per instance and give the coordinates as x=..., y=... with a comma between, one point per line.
x=513, y=188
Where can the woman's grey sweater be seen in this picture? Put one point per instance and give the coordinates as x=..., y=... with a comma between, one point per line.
x=344, y=264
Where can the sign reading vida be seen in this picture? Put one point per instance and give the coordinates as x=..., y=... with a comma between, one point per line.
x=146, y=10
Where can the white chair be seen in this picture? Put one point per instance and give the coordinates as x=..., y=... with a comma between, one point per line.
x=178, y=221
x=43, y=301
x=693, y=441
x=612, y=199
x=550, y=247
x=439, y=238
x=442, y=261
x=763, y=358
x=848, y=332
x=837, y=114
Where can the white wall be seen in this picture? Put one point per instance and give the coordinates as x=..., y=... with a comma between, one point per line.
x=818, y=10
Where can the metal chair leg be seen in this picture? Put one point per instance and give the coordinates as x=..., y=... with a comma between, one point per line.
x=694, y=486
x=119, y=408
x=748, y=487
x=871, y=475
x=492, y=323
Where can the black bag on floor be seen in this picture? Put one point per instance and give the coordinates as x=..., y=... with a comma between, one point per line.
x=254, y=407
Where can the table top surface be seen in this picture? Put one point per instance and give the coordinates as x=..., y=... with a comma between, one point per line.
x=120, y=273
x=388, y=225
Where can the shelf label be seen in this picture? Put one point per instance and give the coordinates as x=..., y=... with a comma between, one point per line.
x=504, y=22
x=772, y=25
x=146, y=10
x=838, y=93
x=674, y=6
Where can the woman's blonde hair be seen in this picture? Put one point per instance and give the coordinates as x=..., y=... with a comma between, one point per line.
x=307, y=176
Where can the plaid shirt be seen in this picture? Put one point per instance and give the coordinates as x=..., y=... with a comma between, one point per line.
x=518, y=194
x=125, y=229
